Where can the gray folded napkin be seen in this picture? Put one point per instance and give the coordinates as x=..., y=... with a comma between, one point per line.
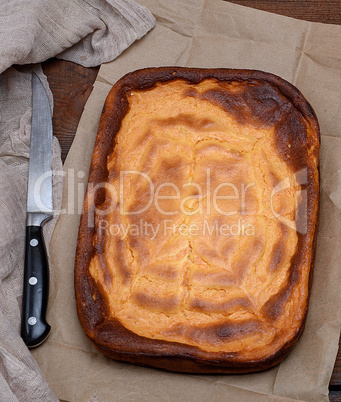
x=88, y=32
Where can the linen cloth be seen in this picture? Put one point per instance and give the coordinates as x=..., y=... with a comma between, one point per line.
x=88, y=32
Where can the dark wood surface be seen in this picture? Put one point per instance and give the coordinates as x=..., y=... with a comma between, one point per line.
x=71, y=86
x=326, y=11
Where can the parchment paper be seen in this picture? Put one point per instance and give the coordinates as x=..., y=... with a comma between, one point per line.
x=210, y=34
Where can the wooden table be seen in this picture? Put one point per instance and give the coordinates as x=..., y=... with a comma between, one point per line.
x=71, y=85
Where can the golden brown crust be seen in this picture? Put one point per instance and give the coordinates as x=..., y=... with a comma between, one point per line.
x=256, y=101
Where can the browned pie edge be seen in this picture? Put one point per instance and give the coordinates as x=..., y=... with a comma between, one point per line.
x=109, y=335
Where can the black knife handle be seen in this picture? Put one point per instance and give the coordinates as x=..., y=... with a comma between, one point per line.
x=34, y=328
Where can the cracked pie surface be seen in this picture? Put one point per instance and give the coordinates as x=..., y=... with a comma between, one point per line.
x=197, y=237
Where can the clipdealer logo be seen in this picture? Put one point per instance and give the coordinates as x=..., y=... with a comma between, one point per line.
x=212, y=196
x=167, y=227
x=191, y=205
x=300, y=222
x=188, y=206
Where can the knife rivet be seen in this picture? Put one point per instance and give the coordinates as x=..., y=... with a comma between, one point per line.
x=32, y=321
x=33, y=280
x=34, y=242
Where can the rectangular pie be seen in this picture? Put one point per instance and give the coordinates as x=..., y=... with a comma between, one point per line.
x=196, y=242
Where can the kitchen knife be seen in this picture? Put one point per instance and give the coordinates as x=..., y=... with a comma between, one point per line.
x=34, y=328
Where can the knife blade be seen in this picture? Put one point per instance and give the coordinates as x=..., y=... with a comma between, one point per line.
x=34, y=327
